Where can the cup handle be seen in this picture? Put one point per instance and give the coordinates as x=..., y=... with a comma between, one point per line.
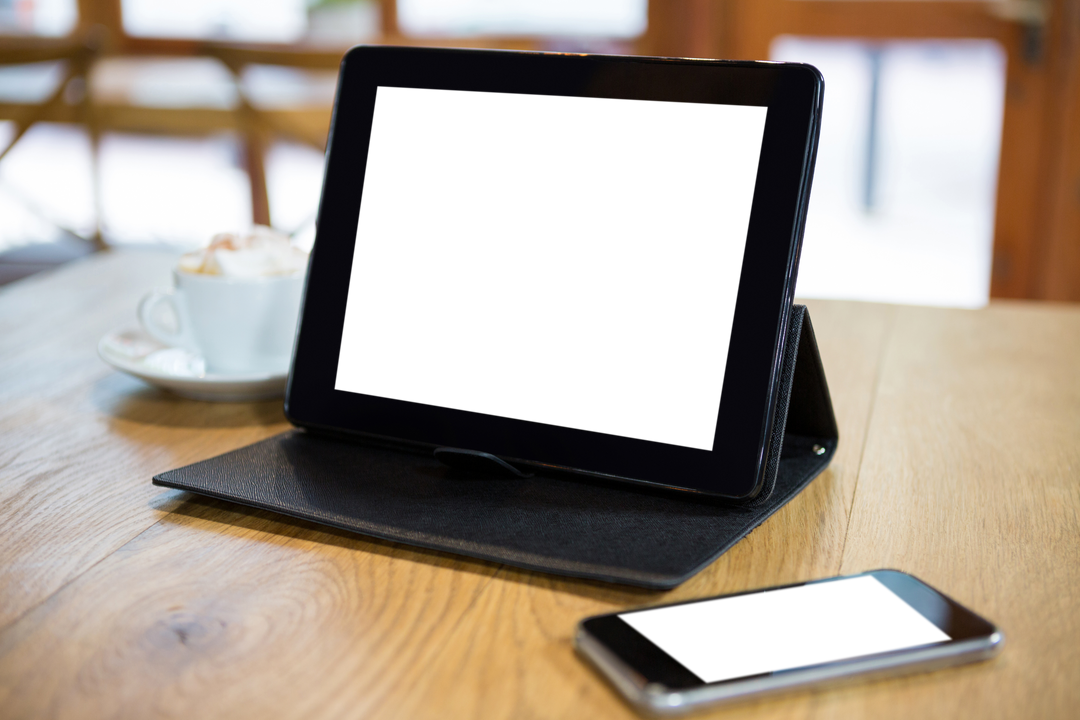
x=147, y=306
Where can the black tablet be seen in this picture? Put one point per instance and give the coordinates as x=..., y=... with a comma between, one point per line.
x=573, y=262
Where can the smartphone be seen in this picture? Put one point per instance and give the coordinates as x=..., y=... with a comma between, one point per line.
x=675, y=658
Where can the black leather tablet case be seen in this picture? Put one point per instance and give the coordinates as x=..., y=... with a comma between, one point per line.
x=563, y=525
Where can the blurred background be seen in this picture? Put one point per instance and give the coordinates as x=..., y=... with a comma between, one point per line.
x=948, y=171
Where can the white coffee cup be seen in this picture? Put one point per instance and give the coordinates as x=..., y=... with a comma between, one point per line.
x=239, y=325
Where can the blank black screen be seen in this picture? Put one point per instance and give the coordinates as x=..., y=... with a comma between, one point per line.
x=752, y=634
x=561, y=260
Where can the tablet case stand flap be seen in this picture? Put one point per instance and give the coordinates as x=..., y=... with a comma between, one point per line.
x=564, y=525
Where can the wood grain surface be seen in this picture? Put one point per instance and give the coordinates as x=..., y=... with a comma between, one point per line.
x=958, y=462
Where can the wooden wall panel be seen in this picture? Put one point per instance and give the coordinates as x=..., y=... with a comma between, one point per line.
x=1059, y=261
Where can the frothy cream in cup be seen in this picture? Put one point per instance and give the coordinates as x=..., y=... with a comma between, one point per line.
x=236, y=303
x=263, y=252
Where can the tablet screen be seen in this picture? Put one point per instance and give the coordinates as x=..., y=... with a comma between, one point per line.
x=572, y=261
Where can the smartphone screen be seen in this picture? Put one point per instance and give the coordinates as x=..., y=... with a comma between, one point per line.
x=781, y=629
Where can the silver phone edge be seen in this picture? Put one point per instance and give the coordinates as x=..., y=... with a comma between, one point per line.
x=657, y=700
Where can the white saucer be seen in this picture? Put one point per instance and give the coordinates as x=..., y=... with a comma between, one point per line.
x=133, y=351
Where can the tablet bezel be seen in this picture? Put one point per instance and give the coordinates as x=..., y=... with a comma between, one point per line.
x=735, y=467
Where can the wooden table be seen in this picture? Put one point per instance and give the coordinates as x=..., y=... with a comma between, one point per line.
x=959, y=461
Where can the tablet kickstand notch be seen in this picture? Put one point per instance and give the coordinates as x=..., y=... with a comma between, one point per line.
x=474, y=461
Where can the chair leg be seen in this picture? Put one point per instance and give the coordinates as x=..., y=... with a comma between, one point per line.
x=255, y=141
